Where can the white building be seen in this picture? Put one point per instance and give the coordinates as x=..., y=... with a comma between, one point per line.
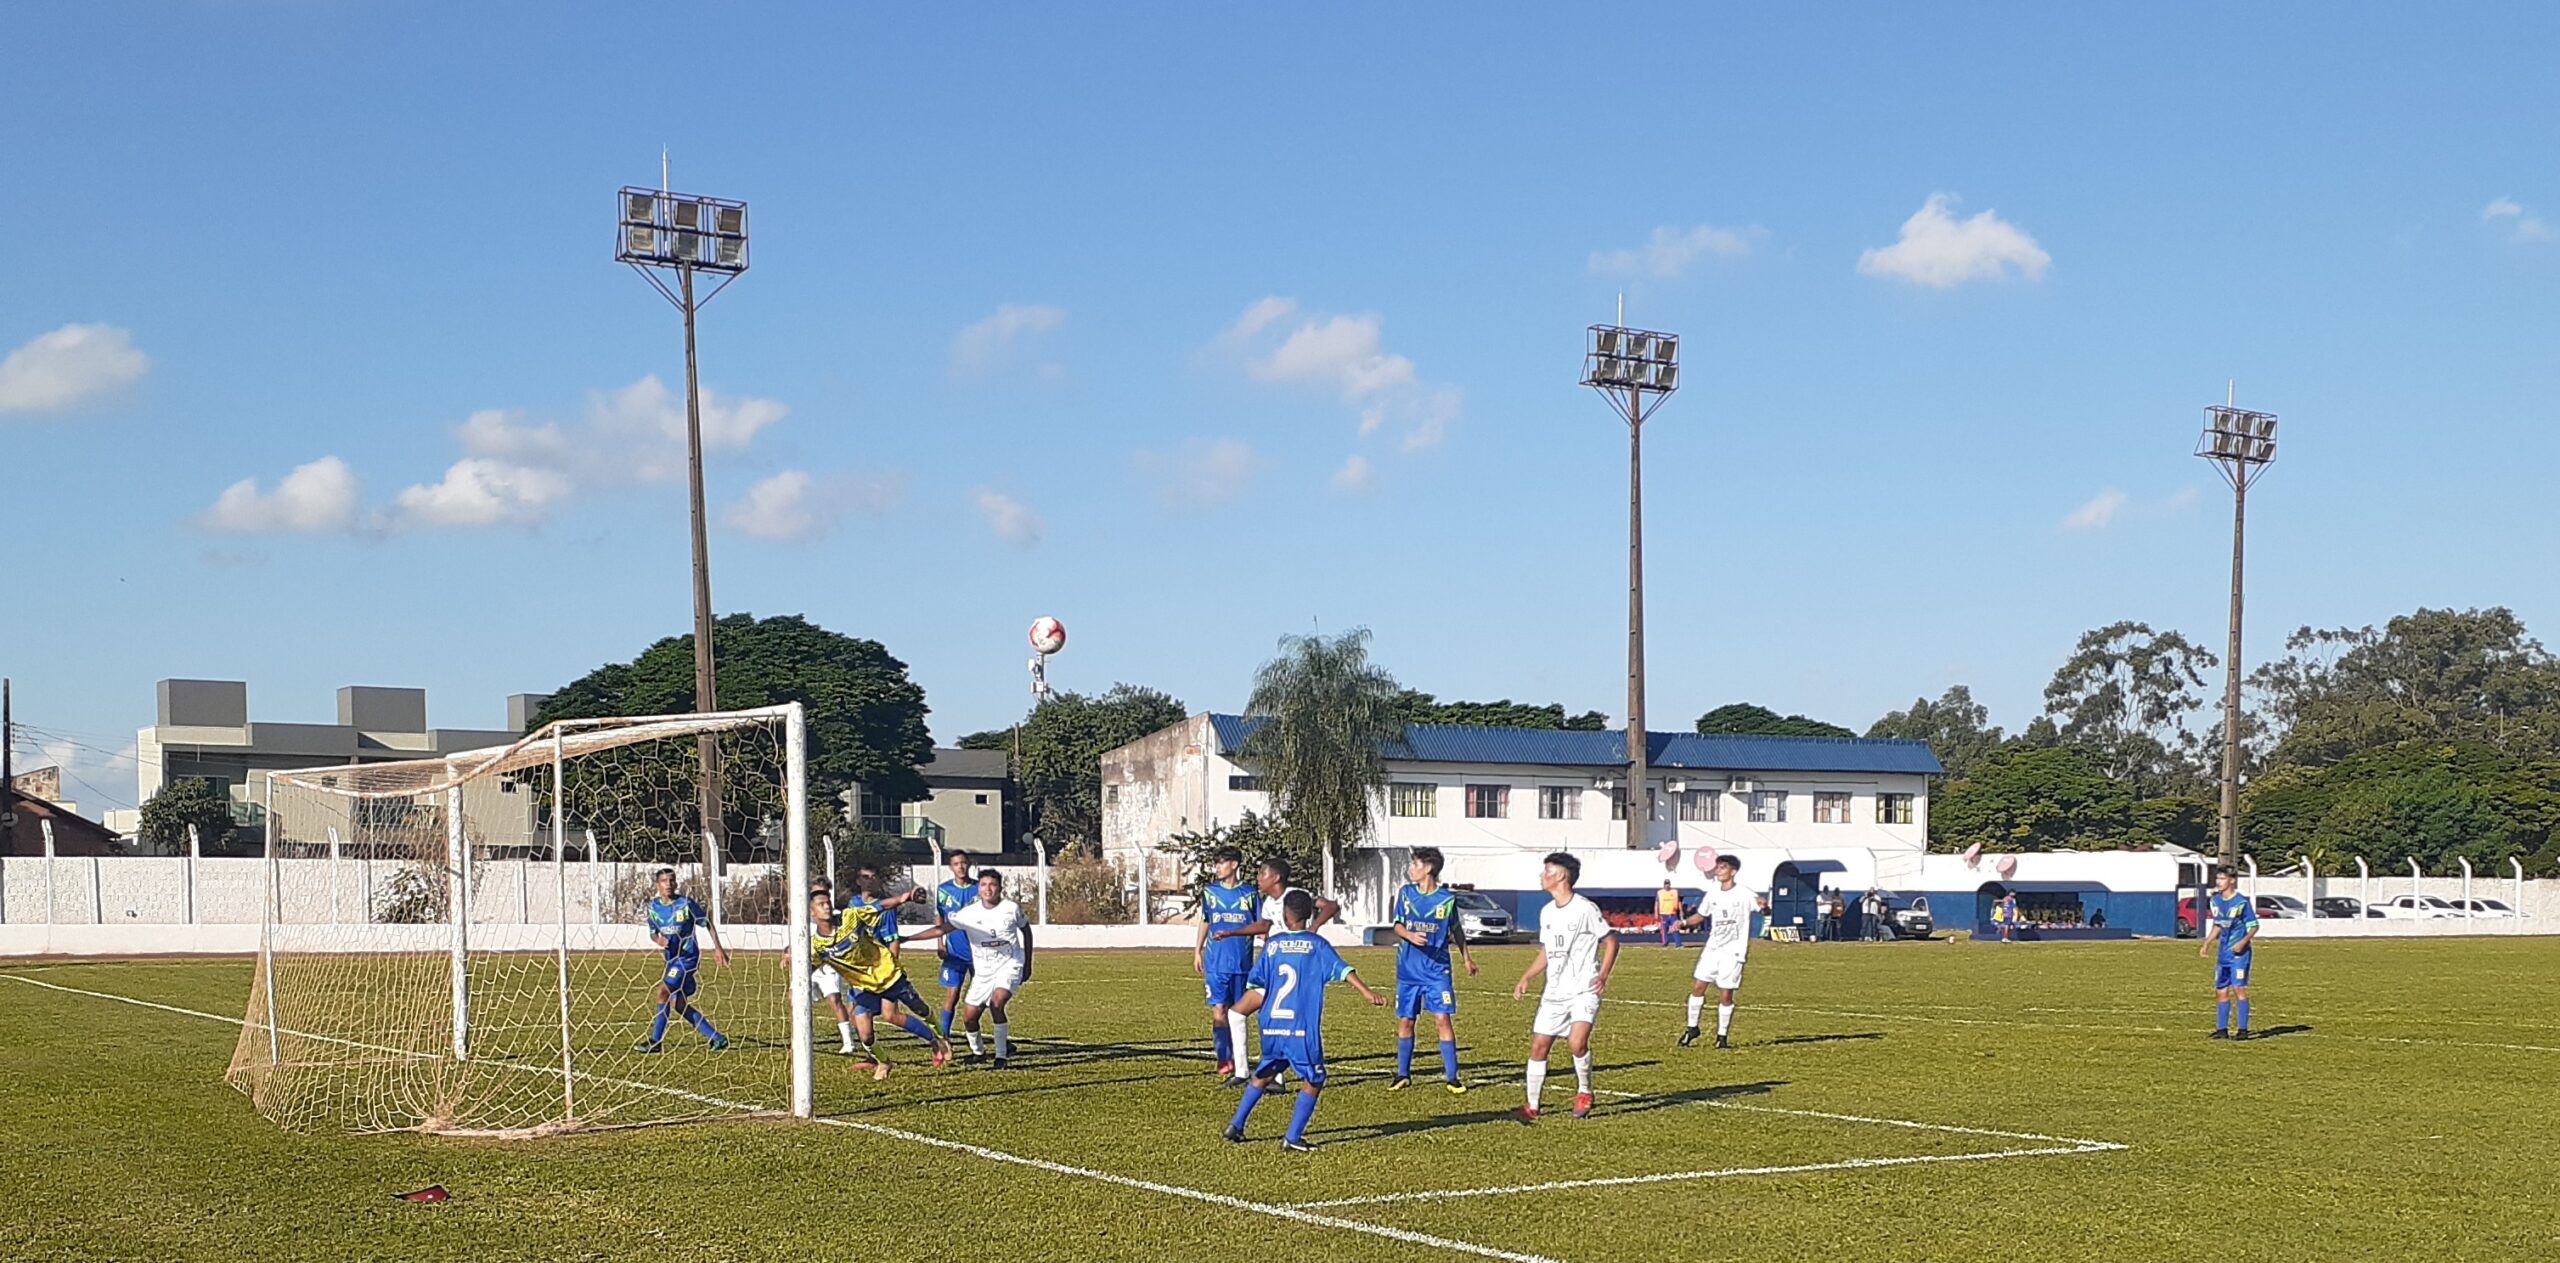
x=1801, y=812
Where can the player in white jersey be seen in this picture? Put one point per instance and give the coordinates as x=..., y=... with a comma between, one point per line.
x=1726, y=908
x=999, y=954
x=1580, y=947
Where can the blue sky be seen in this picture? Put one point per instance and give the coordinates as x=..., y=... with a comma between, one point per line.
x=1196, y=325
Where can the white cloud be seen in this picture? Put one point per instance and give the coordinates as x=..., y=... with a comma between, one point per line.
x=1338, y=353
x=2527, y=227
x=1261, y=315
x=2097, y=513
x=639, y=430
x=1939, y=250
x=69, y=366
x=1011, y=520
x=794, y=505
x=1356, y=475
x=2182, y=498
x=980, y=347
x=1203, y=474
x=1672, y=250
x=315, y=499
x=1345, y=356
x=479, y=491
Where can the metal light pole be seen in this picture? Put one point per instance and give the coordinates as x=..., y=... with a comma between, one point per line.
x=660, y=232
x=1625, y=366
x=2241, y=444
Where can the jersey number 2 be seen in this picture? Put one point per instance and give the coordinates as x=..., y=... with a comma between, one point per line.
x=1280, y=1003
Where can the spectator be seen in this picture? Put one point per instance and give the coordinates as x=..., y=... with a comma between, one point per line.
x=1666, y=912
x=1871, y=916
x=1832, y=910
x=2098, y=919
x=2006, y=914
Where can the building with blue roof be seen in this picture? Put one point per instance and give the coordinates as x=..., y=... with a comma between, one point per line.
x=1803, y=814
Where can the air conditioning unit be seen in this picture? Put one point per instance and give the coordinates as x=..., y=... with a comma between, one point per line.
x=1744, y=785
x=1677, y=787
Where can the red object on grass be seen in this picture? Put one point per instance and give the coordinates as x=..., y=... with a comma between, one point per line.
x=431, y=1193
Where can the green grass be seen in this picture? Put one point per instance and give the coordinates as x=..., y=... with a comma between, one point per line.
x=2406, y=1112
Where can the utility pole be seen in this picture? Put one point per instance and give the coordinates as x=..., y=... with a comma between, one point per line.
x=1634, y=361
x=2241, y=444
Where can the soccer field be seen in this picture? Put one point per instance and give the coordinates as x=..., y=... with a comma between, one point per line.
x=1889, y=1101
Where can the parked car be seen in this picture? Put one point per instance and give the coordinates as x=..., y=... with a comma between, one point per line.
x=2341, y=906
x=2280, y=907
x=2417, y=908
x=2488, y=908
x=1481, y=919
x=1908, y=916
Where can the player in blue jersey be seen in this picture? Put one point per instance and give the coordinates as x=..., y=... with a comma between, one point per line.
x=1425, y=924
x=1287, y=989
x=949, y=897
x=2227, y=943
x=674, y=919
x=1222, y=960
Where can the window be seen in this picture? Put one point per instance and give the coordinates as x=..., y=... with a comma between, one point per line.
x=1831, y=809
x=1559, y=802
x=982, y=800
x=1618, y=804
x=1698, y=806
x=1413, y=799
x=1488, y=802
x=1893, y=809
x=1248, y=784
x=1769, y=806
x=1110, y=795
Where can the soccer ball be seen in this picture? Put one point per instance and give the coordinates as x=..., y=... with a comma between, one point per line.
x=1048, y=635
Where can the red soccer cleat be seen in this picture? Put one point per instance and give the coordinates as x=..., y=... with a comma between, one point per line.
x=942, y=1056
x=431, y=1193
x=1225, y=1069
x=1582, y=1105
x=1527, y=1114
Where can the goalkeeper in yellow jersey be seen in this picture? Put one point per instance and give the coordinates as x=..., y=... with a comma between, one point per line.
x=851, y=947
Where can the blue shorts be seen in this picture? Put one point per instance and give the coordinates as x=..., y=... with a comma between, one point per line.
x=1301, y=1056
x=956, y=971
x=902, y=992
x=1415, y=998
x=1223, y=988
x=679, y=977
x=2231, y=971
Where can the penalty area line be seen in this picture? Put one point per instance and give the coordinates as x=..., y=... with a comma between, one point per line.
x=1673, y=1177
x=1298, y=1214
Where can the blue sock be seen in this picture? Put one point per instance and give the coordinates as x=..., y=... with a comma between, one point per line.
x=946, y=1023
x=1244, y=1109
x=658, y=1029
x=2243, y=1014
x=2222, y=1015
x=702, y=1024
x=1449, y=1060
x=1404, y=1057
x=915, y=1026
x=1219, y=1039
x=1299, y=1116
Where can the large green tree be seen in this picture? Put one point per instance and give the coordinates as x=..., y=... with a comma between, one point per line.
x=2029, y=798
x=190, y=800
x=865, y=720
x=1328, y=716
x=1745, y=719
x=2431, y=675
x=2125, y=695
x=1418, y=707
x=1063, y=741
x=2435, y=801
x=1958, y=728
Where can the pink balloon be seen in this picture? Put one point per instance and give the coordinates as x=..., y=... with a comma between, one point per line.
x=1973, y=855
x=1706, y=861
x=2008, y=865
x=1668, y=853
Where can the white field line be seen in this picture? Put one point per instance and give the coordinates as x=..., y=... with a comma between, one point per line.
x=1671, y=1177
x=979, y=1151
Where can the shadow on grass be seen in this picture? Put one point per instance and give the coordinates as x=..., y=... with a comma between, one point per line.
x=1824, y=1039
x=2274, y=1031
x=1355, y=1133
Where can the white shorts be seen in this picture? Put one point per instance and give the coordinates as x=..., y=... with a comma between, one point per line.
x=984, y=984
x=1721, y=970
x=826, y=982
x=1558, y=1017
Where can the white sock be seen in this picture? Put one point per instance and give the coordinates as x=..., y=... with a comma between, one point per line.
x=1004, y=1041
x=974, y=1050
x=1724, y=1018
x=1696, y=1003
x=1582, y=1074
x=1537, y=1081
x=1236, y=1040
x=844, y=1031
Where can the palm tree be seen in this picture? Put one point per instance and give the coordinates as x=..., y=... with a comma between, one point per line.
x=1328, y=715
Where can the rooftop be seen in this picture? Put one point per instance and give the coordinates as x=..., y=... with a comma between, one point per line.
x=1546, y=747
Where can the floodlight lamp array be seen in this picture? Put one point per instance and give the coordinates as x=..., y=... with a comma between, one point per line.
x=1641, y=359
x=2238, y=436
x=662, y=229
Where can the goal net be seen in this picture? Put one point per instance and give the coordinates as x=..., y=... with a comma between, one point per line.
x=464, y=944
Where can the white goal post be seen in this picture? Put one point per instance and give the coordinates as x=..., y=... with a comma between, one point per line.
x=493, y=984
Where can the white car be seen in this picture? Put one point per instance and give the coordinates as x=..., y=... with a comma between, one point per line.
x=2417, y=908
x=2485, y=908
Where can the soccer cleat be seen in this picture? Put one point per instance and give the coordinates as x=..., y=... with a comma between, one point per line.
x=1235, y=1135
x=999, y=1063
x=1296, y=1146
x=941, y=1055
x=1455, y=1088
x=2219, y=1033
x=1688, y=1037
x=645, y=1046
x=879, y=1071
x=1582, y=1105
x=1399, y=1083
x=1527, y=1114
x=1724, y=1041
x=719, y=1043
x=2242, y=1033
x=974, y=1058
x=1225, y=1069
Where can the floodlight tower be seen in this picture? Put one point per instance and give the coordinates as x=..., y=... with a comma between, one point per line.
x=1626, y=366
x=2241, y=444
x=662, y=232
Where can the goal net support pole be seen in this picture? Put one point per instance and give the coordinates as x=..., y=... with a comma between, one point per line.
x=458, y=898
x=795, y=900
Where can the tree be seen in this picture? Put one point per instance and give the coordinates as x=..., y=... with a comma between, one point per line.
x=2436, y=675
x=991, y=739
x=2434, y=801
x=1328, y=715
x=2125, y=696
x=1258, y=837
x=1063, y=741
x=2026, y=798
x=1955, y=726
x=190, y=800
x=1743, y=719
x=1419, y=707
x=865, y=718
